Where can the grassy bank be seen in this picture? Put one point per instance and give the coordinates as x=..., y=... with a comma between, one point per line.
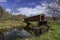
x=10, y=24
x=53, y=34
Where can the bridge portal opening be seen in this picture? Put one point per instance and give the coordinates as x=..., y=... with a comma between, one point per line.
x=42, y=17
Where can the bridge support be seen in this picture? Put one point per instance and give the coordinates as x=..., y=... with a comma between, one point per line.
x=40, y=23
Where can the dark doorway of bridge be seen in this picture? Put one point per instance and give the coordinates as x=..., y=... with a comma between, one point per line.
x=42, y=17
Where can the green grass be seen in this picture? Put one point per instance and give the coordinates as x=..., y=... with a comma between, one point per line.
x=51, y=34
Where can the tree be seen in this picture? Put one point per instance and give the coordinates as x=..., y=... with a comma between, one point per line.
x=1, y=13
x=54, y=9
x=4, y=14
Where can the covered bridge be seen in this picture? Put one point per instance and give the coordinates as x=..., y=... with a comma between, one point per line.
x=38, y=18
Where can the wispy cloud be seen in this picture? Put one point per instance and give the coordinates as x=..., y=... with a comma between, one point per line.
x=32, y=3
x=16, y=1
x=3, y=0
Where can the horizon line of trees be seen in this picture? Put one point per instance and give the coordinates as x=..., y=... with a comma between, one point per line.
x=5, y=15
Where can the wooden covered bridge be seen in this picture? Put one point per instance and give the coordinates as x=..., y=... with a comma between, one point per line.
x=42, y=24
x=38, y=18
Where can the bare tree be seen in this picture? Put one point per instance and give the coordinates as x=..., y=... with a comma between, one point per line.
x=54, y=8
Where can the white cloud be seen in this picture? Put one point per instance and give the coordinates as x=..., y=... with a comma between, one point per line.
x=9, y=10
x=31, y=11
x=3, y=0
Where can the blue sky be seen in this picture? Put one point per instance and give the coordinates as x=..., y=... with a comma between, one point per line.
x=26, y=7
